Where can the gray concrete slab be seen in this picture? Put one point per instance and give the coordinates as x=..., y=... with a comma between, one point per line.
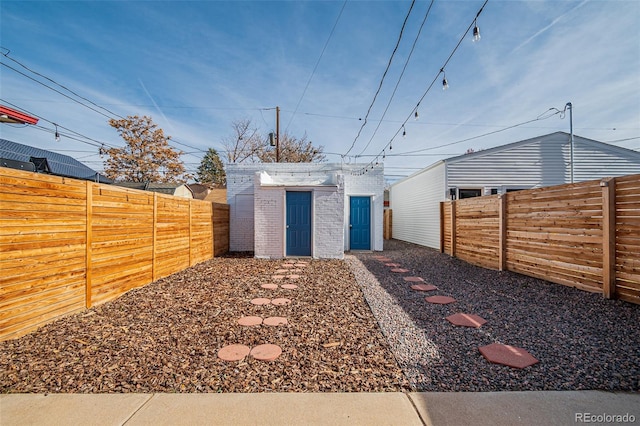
x=69, y=409
x=526, y=408
x=278, y=409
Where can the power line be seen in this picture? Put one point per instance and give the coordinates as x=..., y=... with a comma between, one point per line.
x=455, y=49
x=316, y=66
x=39, y=127
x=375, y=96
x=6, y=55
x=406, y=63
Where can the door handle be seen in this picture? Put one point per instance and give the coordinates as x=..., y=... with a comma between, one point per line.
x=350, y=226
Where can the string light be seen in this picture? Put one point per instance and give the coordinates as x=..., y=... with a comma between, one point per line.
x=445, y=83
x=404, y=132
x=476, y=31
x=57, y=135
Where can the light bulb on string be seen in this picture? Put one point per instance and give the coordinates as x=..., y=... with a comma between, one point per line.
x=404, y=132
x=476, y=32
x=415, y=115
x=57, y=135
x=384, y=155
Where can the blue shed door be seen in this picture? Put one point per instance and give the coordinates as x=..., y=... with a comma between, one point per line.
x=298, y=223
x=360, y=223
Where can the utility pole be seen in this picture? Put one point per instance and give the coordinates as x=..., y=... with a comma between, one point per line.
x=278, y=135
x=570, y=107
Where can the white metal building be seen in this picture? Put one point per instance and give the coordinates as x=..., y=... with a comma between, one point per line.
x=304, y=209
x=537, y=162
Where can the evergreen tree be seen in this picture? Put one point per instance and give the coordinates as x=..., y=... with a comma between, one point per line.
x=211, y=170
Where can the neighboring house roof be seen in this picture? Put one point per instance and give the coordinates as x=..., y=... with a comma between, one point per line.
x=49, y=162
x=597, y=158
x=609, y=147
x=161, y=188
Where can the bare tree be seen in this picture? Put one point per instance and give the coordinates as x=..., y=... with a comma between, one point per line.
x=293, y=150
x=246, y=144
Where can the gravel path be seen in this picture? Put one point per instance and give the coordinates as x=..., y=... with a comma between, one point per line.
x=582, y=340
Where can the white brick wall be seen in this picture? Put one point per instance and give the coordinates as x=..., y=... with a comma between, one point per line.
x=371, y=185
x=330, y=184
x=240, y=198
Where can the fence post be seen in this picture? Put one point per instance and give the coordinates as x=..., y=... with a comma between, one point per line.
x=88, y=242
x=191, y=257
x=608, y=237
x=453, y=228
x=442, y=230
x=502, y=238
x=154, y=269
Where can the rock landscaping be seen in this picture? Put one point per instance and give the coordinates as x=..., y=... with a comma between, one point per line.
x=345, y=326
x=580, y=340
x=201, y=330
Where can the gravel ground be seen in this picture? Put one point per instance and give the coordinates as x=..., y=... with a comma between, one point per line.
x=582, y=340
x=165, y=337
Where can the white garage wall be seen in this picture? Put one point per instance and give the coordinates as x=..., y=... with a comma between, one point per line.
x=415, y=202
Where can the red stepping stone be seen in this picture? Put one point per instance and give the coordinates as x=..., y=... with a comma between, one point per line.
x=266, y=352
x=282, y=271
x=385, y=259
x=392, y=265
x=424, y=287
x=507, y=355
x=249, y=321
x=440, y=300
x=289, y=286
x=281, y=301
x=278, y=277
x=233, y=352
x=414, y=279
x=400, y=270
x=293, y=276
x=296, y=271
x=466, y=320
x=275, y=321
x=269, y=286
x=301, y=264
x=287, y=265
x=378, y=257
x=260, y=301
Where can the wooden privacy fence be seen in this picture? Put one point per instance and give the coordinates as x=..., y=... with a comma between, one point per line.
x=584, y=235
x=67, y=244
x=387, y=224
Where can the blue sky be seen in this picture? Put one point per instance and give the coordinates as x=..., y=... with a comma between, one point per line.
x=196, y=66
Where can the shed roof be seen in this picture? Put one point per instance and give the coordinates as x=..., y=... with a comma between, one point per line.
x=57, y=164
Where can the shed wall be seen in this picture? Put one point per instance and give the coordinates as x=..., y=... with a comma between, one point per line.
x=257, y=217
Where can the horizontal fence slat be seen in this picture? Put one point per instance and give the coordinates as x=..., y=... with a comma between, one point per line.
x=554, y=233
x=49, y=236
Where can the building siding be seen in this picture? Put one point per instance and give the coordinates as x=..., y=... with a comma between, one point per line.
x=537, y=162
x=415, y=202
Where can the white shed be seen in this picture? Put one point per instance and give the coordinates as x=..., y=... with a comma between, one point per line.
x=532, y=163
x=304, y=209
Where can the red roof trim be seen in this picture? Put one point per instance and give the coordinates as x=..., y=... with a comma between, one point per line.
x=16, y=116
